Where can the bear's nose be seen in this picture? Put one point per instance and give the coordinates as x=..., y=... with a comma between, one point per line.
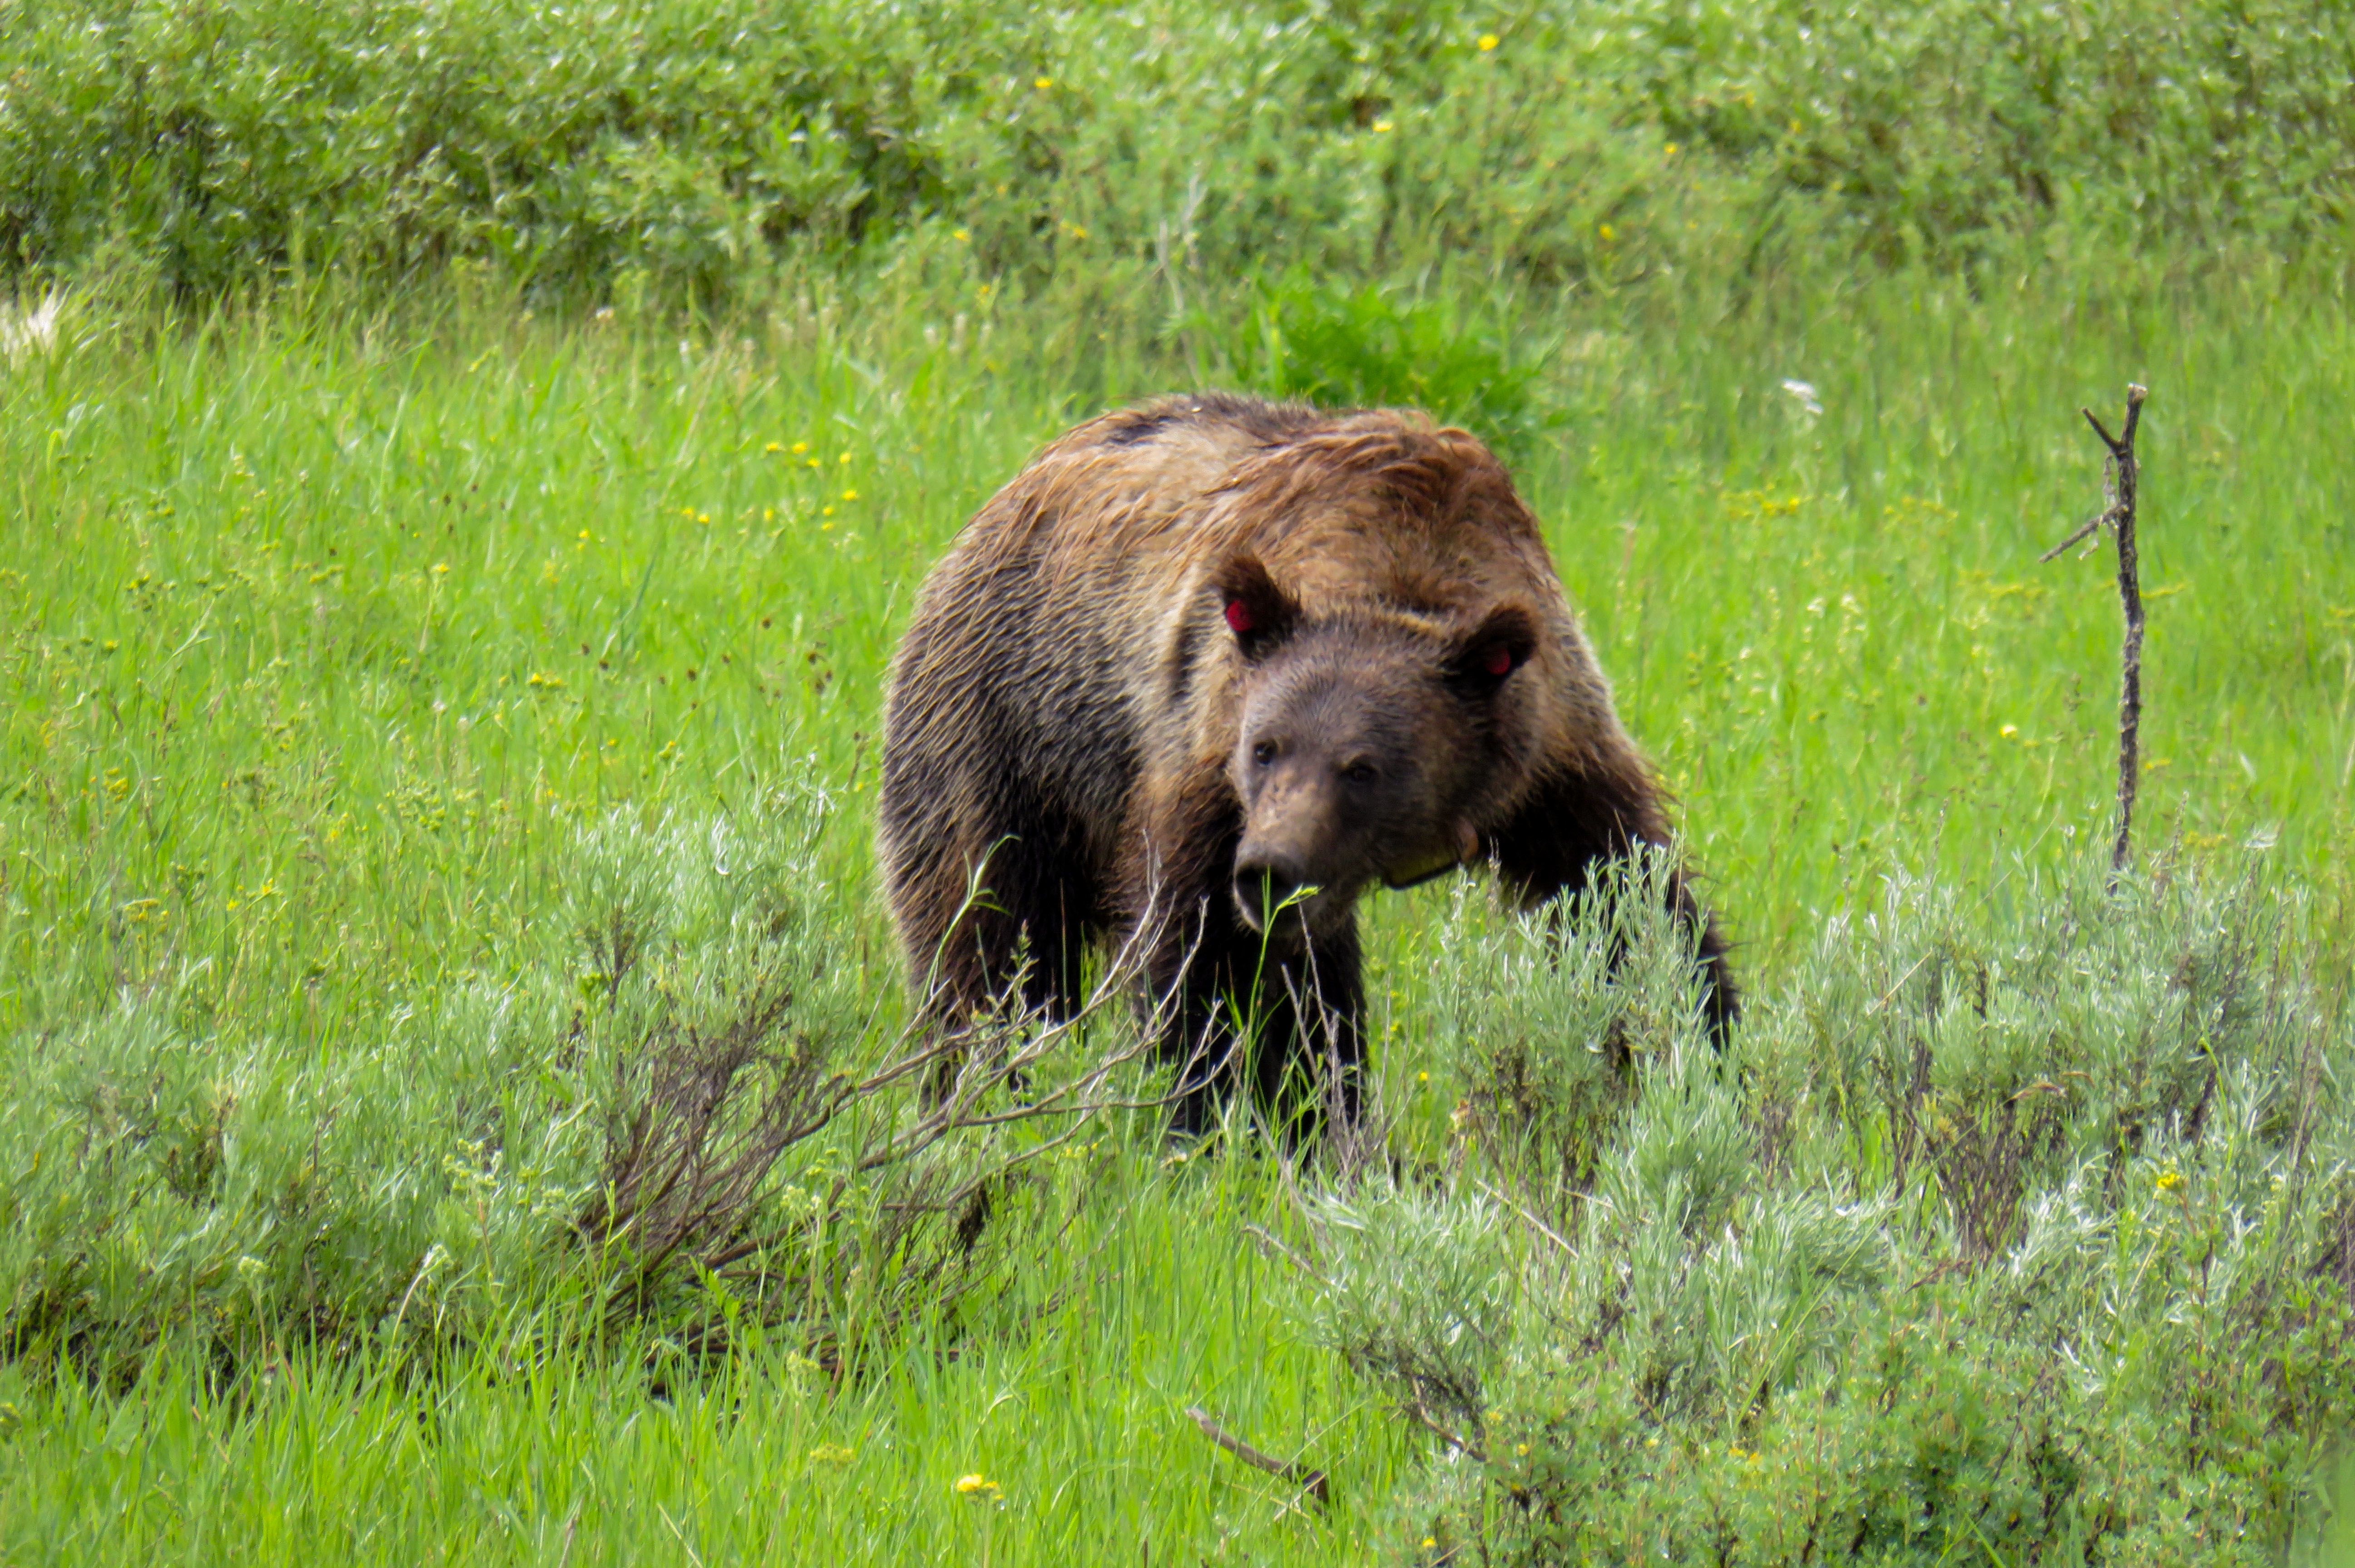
x=1261, y=884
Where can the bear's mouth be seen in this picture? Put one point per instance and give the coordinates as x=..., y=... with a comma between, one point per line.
x=1304, y=912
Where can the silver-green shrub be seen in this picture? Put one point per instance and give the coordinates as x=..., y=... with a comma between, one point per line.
x=2015, y=1223
x=431, y=1179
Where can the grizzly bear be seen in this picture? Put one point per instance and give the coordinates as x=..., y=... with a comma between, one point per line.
x=1202, y=674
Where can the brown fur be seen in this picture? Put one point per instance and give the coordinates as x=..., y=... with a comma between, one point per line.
x=1075, y=726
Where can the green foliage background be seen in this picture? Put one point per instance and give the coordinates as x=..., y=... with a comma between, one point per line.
x=1598, y=144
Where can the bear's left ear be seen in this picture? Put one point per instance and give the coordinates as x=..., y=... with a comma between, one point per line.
x=1501, y=643
x=1257, y=611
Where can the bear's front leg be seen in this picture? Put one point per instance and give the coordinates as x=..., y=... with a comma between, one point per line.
x=1287, y=1024
x=1310, y=1062
x=1575, y=821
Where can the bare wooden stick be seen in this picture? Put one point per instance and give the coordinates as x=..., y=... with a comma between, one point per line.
x=1301, y=1476
x=2120, y=480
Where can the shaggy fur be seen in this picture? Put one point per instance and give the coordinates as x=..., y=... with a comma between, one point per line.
x=1202, y=673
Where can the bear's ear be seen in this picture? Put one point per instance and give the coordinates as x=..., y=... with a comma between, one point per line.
x=1257, y=611
x=1485, y=656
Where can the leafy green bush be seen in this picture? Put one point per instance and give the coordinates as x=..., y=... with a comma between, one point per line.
x=2021, y=1234
x=701, y=140
x=1372, y=348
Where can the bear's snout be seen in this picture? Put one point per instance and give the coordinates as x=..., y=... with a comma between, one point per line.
x=1263, y=883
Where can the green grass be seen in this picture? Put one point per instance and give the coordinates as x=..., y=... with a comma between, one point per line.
x=285, y=587
x=332, y=627
x=1079, y=1421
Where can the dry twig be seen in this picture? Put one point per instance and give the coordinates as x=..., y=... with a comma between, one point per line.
x=2120, y=479
x=1542, y=1229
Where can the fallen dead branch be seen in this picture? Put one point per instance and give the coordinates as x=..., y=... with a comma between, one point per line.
x=1310, y=1482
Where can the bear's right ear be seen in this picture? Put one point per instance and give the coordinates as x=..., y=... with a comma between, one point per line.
x=1257, y=611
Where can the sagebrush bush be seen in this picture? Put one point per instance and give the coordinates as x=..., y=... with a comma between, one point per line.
x=1553, y=1040
x=2019, y=1232
x=1559, y=143
x=428, y=1185
x=675, y=1121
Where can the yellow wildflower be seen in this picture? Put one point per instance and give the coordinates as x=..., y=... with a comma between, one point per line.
x=1487, y=42
x=1382, y=127
x=976, y=1486
x=2170, y=1180
x=1043, y=83
x=799, y=447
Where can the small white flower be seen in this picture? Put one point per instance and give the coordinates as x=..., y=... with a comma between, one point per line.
x=30, y=328
x=1804, y=392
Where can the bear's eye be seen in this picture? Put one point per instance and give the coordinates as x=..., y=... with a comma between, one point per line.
x=1360, y=773
x=1263, y=753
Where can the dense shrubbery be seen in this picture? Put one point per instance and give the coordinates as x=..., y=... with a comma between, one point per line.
x=2005, y=1235
x=655, y=1125
x=2028, y=1232
x=1550, y=142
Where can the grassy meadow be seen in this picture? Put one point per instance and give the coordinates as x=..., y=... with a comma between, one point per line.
x=441, y=635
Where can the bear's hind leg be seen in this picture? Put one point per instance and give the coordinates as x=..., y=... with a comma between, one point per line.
x=1010, y=931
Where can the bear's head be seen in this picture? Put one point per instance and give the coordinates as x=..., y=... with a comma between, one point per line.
x=1365, y=742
